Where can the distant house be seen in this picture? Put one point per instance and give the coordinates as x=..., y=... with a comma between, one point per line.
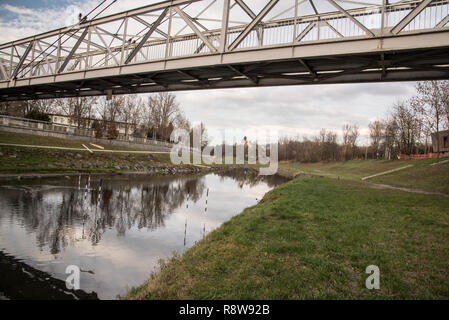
x=59, y=119
x=443, y=141
x=88, y=123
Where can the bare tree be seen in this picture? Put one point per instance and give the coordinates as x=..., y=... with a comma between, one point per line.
x=182, y=122
x=408, y=127
x=355, y=133
x=131, y=113
x=390, y=141
x=432, y=104
x=22, y=108
x=376, y=132
x=350, y=136
x=199, y=132
x=328, y=145
x=43, y=106
x=13, y=108
x=79, y=109
x=163, y=115
x=110, y=110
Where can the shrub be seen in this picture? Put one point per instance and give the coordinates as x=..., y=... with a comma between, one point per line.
x=37, y=115
x=112, y=132
x=98, y=127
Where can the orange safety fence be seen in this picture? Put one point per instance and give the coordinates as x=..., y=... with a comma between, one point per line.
x=416, y=156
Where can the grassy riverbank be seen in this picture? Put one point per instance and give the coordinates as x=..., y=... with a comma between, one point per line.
x=25, y=154
x=18, y=160
x=35, y=140
x=420, y=175
x=313, y=238
x=22, y=160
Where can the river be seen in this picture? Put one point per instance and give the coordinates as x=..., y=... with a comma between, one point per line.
x=115, y=229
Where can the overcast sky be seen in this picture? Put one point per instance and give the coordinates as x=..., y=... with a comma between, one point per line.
x=298, y=110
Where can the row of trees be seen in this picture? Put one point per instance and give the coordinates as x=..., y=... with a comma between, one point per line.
x=406, y=130
x=324, y=147
x=155, y=116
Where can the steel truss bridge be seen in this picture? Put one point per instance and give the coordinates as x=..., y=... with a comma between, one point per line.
x=206, y=44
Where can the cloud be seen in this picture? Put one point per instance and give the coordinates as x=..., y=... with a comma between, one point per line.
x=293, y=111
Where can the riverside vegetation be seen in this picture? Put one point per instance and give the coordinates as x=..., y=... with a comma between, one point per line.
x=17, y=160
x=312, y=238
x=309, y=238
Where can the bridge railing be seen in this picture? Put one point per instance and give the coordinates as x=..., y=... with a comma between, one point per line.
x=328, y=26
x=99, y=44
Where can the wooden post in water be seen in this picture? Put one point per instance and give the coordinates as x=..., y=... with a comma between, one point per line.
x=185, y=233
x=100, y=188
x=87, y=188
x=207, y=196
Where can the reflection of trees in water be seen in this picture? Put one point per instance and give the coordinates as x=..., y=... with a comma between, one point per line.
x=252, y=178
x=121, y=205
x=47, y=218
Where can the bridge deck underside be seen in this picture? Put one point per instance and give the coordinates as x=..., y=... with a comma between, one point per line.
x=427, y=64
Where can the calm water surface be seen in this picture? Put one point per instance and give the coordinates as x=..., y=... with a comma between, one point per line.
x=115, y=231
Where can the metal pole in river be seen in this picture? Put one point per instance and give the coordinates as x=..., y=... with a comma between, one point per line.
x=207, y=197
x=100, y=188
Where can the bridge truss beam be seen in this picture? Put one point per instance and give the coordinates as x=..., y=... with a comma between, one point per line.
x=199, y=44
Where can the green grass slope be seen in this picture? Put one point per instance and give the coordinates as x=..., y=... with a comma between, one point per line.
x=422, y=175
x=313, y=239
